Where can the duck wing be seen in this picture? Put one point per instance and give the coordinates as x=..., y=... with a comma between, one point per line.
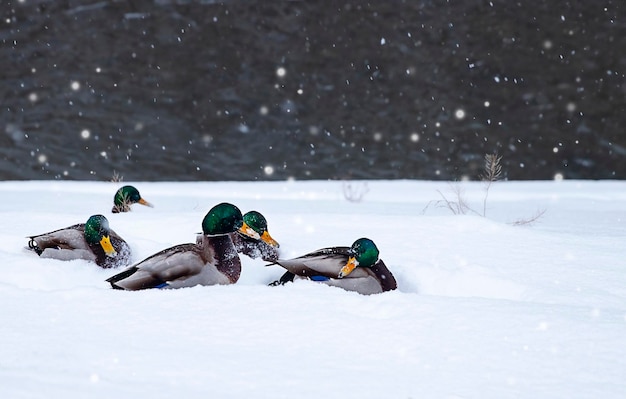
x=325, y=262
x=163, y=269
x=72, y=237
x=63, y=244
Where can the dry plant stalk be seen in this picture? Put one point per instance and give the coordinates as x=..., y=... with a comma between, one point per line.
x=123, y=206
x=354, y=193
x=492, y=173
x=116, y=178
x=530, y=220
x=493, y=170
x=458, y=207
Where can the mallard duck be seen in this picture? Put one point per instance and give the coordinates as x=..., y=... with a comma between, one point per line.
x=266, y=247
x=356, y=268
x=212, y=260
x=125, y=197
x=93, y=241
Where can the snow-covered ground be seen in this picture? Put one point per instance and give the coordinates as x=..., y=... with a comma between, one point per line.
x=484, y=309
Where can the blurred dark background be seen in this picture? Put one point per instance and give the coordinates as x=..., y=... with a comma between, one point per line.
x=270, y=90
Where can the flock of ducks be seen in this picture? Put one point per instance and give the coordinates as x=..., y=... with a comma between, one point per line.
x=214, y=257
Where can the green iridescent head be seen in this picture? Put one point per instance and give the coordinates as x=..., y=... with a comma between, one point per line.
x=97, y=232
x=365, y=252
x=257, y=222
x=125, y=197
x=222, y=219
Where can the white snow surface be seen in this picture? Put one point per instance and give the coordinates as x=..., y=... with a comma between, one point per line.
x=484, y=308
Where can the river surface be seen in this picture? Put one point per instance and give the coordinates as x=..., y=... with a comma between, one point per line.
x=271, y=90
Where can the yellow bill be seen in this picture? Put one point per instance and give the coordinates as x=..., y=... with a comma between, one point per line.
x=267, y=238
x=349, y=267
x=105, y=242
x=144, y=202
x=248, y=231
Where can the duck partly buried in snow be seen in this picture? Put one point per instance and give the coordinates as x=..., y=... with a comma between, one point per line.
x=125, y=197
x=211, y=260
x=357, y=268
x=264, y=247
x=93, y=241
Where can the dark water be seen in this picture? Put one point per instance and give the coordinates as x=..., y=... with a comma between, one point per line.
x=247, y=90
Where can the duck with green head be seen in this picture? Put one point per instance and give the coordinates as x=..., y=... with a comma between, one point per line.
x=211, y=260
x=125, y=197
x=256, y=242
x=93, y=241
x=355, y=268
